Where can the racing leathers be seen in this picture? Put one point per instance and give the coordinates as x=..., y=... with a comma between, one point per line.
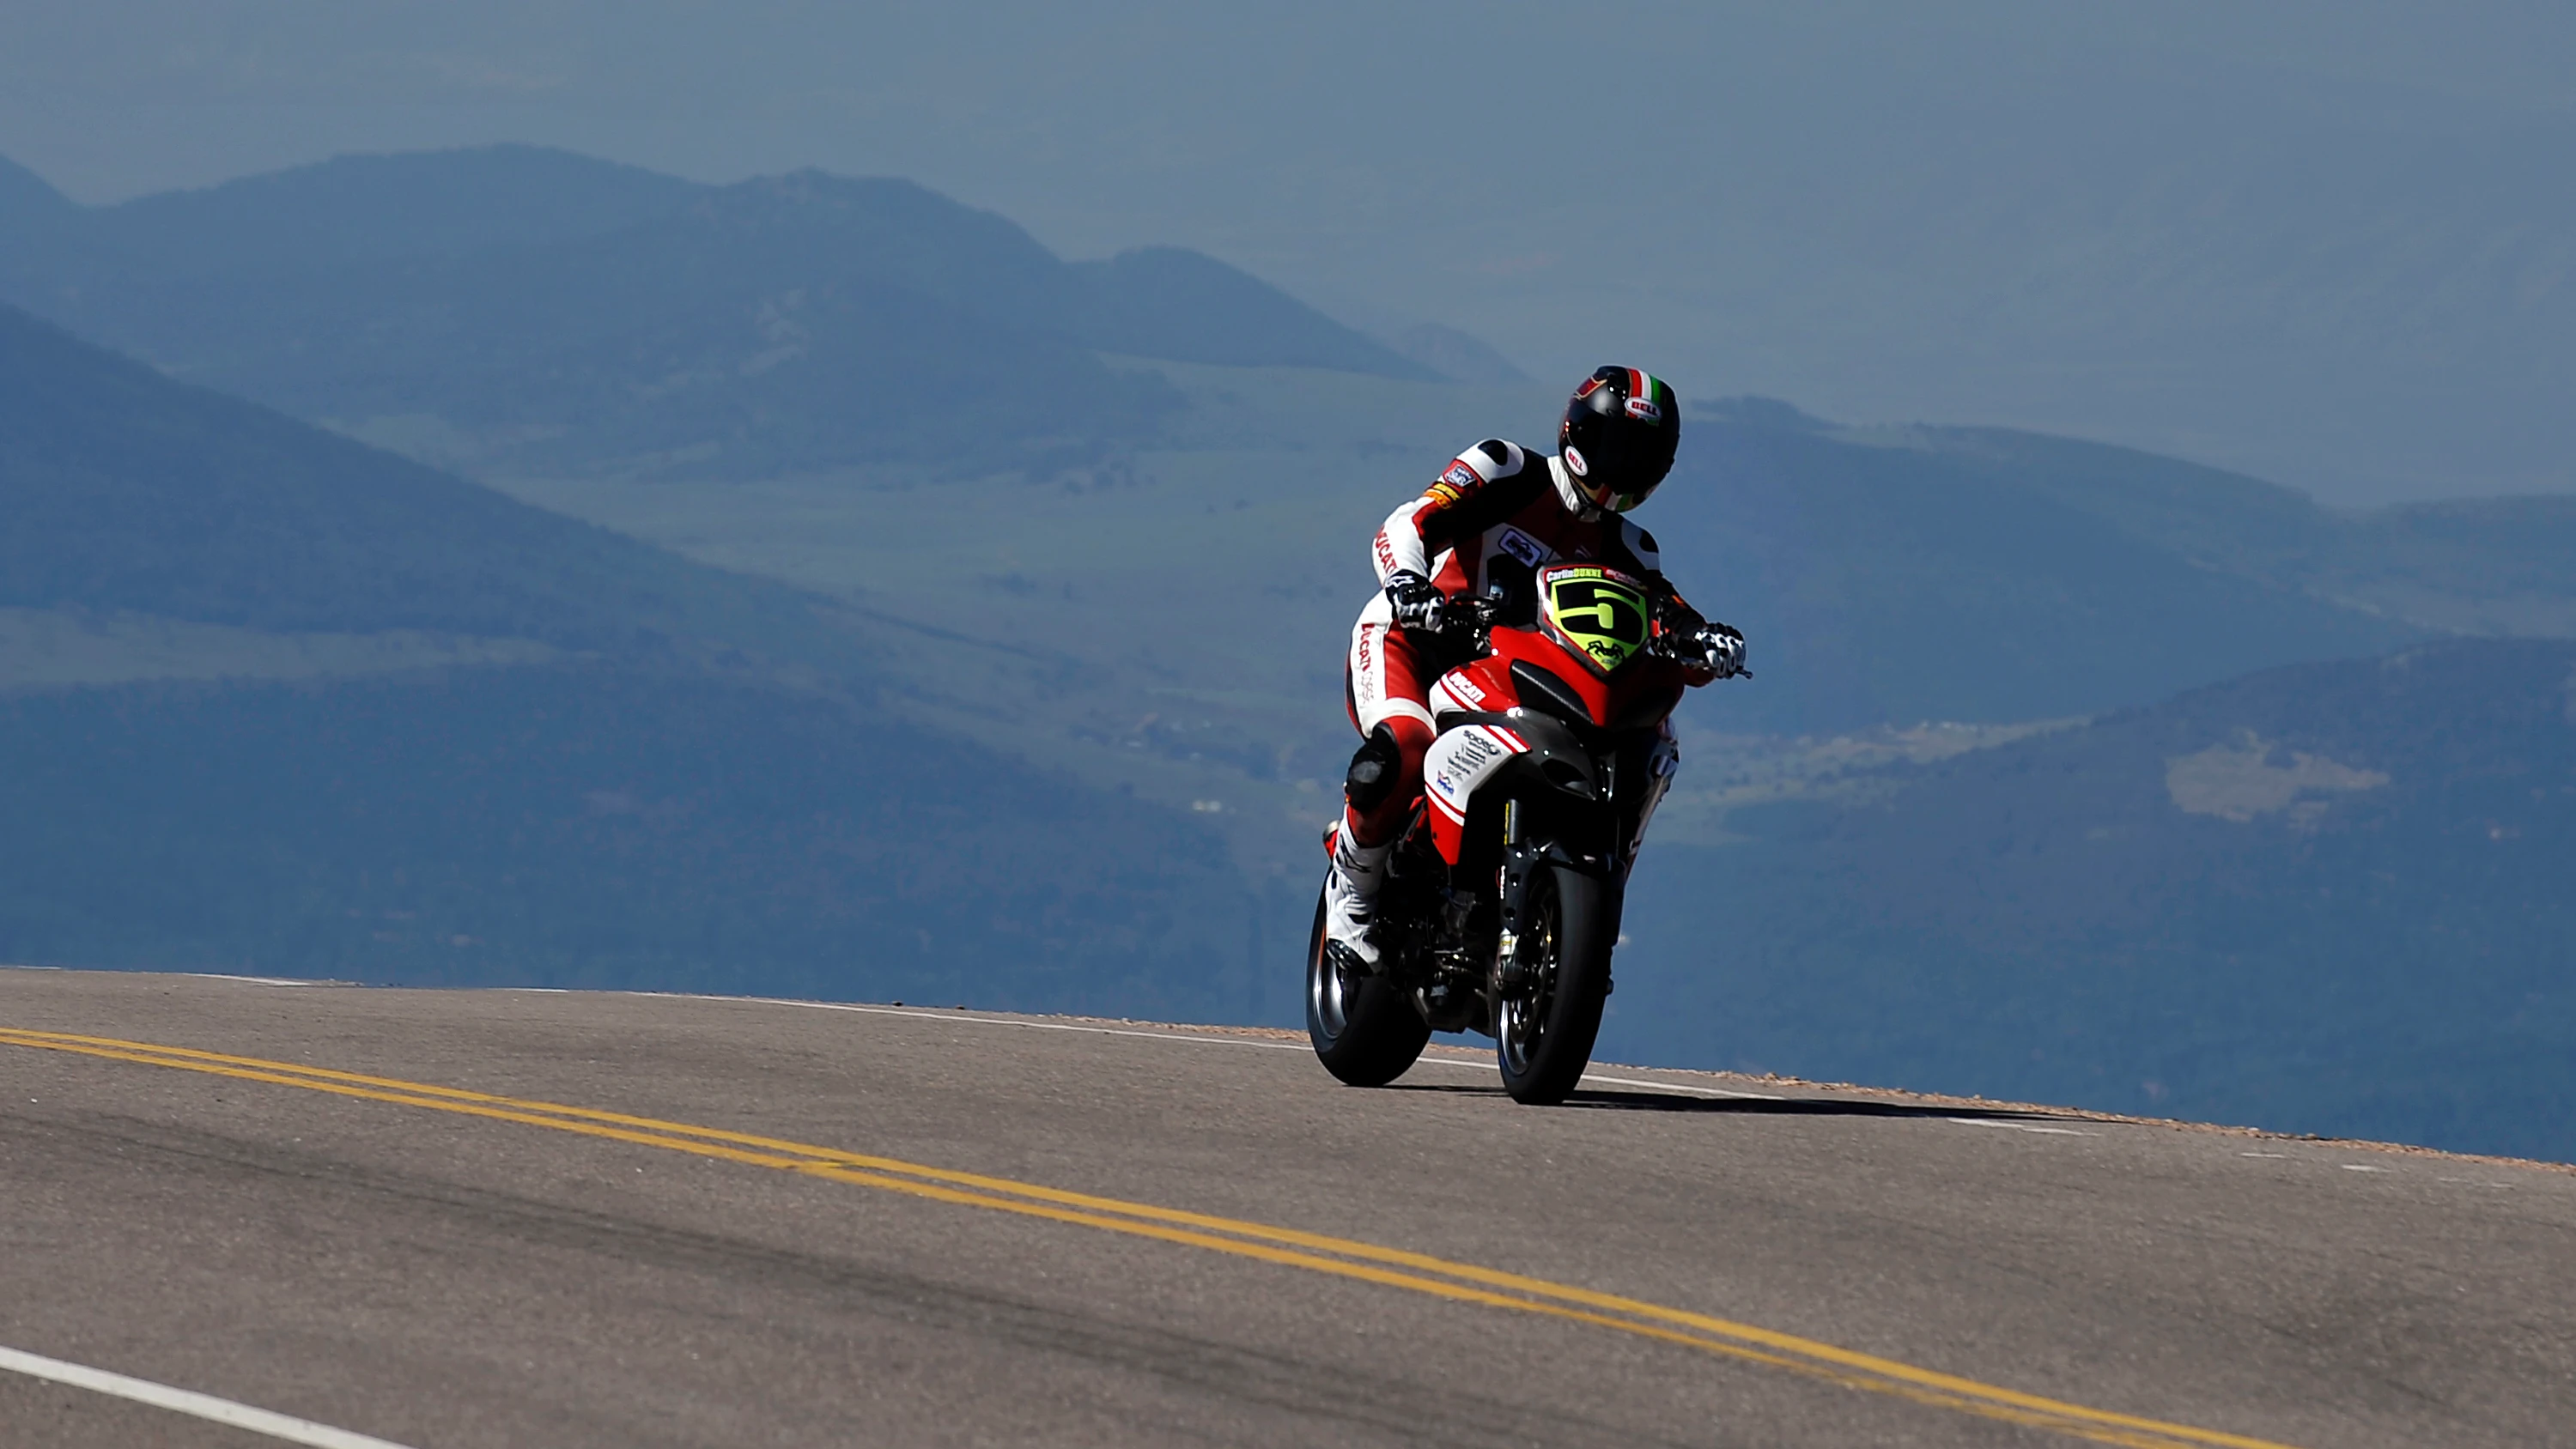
x=1498, y=505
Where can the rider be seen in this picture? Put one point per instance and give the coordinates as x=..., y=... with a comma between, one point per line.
x=1497, y=501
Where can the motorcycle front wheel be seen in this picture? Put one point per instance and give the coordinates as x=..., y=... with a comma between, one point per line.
x=1544, y=1032
x=1364, y=1030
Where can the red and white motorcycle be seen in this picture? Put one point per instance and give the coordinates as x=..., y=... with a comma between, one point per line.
x=1502, y=900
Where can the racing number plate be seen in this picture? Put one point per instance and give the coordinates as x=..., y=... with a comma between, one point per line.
x=1596, y=610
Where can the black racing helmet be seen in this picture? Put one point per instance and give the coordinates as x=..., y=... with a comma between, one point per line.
x=1619, y=435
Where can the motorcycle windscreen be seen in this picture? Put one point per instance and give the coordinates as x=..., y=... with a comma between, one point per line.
x=1598, y=613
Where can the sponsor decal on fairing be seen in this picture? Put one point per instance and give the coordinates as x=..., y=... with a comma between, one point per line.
x=1458, y=762
x=1458, y=692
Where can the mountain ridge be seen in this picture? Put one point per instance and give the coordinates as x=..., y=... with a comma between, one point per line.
x=549, y=311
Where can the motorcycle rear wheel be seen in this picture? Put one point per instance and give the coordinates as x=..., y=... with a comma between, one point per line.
x=1365, y=1031
x=1544, y=1033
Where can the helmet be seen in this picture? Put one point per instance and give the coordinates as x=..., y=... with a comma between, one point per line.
x=1618, y=437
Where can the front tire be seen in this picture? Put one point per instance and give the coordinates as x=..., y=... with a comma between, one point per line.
x=1364, y=1030
x=1545, y=1031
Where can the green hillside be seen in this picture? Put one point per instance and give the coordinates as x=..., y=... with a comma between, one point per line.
x=2328, y=898
x=2478, y=566
x=586, y=825
x=1879, y=584
x=516, y=747
x=1901, y=584
x=126, y=491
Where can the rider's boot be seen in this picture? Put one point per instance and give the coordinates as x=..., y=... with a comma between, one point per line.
x=1350, y=900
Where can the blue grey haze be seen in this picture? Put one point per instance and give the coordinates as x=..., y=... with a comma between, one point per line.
x=2328, y=244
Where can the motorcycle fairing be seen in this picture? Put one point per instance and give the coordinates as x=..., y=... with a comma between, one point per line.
x=1493, y=684
x=1520, y=710
x=1554, y=771
x=1457, y=762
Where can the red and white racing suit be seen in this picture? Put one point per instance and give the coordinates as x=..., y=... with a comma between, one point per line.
x=1496, y=500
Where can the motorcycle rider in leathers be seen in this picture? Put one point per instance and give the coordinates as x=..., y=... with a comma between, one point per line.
x=1498, y=501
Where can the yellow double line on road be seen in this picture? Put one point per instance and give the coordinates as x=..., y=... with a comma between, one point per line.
x=1315, y=1252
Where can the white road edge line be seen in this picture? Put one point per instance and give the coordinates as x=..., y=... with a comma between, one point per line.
x=1276, y=1046
x=2022, y=1127
x=185, y=1401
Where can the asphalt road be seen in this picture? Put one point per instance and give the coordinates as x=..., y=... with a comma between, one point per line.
x=541, y=1219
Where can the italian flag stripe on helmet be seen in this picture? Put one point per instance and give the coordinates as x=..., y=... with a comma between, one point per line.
x=1640, y=385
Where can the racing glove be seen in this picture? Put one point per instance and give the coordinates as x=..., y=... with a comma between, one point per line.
x=1418, y=604
x=1722, y=646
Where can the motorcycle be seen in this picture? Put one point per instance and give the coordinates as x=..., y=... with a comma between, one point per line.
x=1502, y=899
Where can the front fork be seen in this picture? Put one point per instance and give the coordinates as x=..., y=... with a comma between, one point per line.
x=1522, y=856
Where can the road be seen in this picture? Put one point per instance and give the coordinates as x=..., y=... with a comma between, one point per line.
x=450, y=1219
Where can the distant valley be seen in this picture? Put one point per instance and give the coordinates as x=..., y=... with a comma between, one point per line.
x=2328, y=897
x=906, y=611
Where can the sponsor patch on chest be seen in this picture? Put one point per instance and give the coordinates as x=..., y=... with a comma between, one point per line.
x=1521, y=546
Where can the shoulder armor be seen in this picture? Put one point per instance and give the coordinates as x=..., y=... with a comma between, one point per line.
x=1489, y=461
x=1642, y=544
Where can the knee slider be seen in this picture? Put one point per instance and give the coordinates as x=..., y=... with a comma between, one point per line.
x=1375, y=767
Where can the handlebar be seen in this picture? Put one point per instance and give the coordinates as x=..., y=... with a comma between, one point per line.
x=1677, y=648
x=1475, y=616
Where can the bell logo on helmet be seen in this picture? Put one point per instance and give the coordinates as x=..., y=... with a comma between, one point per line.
x=1643, y=409
x=1574, y=460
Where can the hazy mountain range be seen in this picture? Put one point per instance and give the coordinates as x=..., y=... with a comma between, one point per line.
x=536, y=309
x=2328, y=248
x=936, y=618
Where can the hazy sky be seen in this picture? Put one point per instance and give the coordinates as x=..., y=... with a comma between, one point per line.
x=1830, y=202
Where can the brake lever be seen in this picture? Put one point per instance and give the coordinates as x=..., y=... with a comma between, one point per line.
x=1472, y=619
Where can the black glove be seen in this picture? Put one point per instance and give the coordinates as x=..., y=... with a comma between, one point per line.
x=1677, y=618
x=1418, y=604
x=1722, y=647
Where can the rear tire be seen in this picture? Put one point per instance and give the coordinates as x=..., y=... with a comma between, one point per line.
x=1545, y=1034
x=1365, y=1031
